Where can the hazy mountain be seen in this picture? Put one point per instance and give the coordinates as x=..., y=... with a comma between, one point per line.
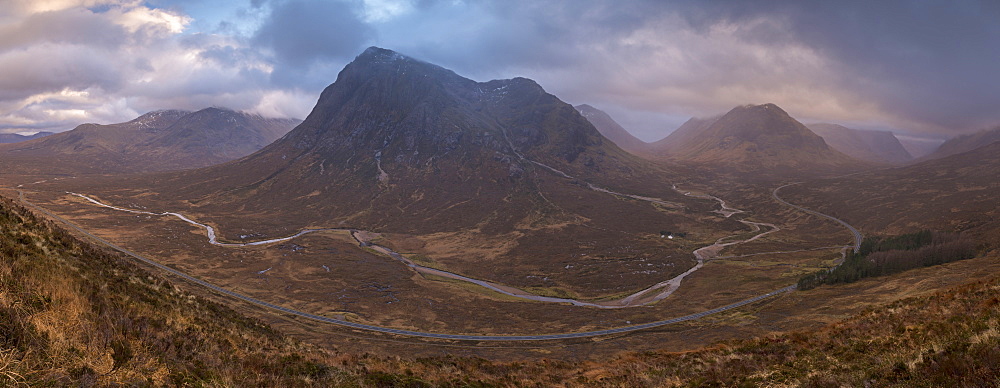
x=870, y=146
x=156, y=141
x=685, y=134
x=965, y=143
x=760, y=137
x=608, y=127
x=17, y=138
x=919, y=147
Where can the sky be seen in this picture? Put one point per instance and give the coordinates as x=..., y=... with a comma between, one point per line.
x=924, y=69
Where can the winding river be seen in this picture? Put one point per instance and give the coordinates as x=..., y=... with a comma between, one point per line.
x=646, y=296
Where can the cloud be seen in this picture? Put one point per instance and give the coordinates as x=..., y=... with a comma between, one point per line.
x=919, y=66
x=927, y=65
x=54, y=67
x=924, y=67
x=306, y=34
x=640, y=58
x=63, y=64
x=68, y=26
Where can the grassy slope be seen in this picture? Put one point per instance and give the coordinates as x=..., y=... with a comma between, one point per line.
x=71, y=313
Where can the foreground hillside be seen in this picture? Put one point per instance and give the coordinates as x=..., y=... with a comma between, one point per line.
x=73, y=314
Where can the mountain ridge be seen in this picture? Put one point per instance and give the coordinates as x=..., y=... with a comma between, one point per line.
x=613, y=131
x=156, y=141
x=759, y=137
x=8, y=138
x=391, y=125
x=867, y=145
x=964, y=143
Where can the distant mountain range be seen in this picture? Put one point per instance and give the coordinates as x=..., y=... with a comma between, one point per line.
x=6, y=138
x=758, y=137
x=870, y=146
x=697, y=140
x=156, y=141
x=965, y=143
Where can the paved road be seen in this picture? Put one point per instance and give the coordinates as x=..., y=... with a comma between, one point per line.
x=389, y=330
x=857, y=234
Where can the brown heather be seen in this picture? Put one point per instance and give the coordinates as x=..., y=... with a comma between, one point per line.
x=73, y=314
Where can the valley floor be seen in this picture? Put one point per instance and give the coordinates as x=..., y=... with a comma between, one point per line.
x=75, y=315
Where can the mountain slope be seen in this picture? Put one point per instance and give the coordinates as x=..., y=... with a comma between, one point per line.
x=156, y=141
x=72, y=314
x=608, y=127
x=400, y=146
x=397, y=141
x=955, y=193
x=686, y=133
x=871, y=146
x=758, y=137
x=965, y=143
x=76, y=315
x=17, y=138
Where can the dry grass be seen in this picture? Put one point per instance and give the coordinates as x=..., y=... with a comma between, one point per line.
x=71, y=314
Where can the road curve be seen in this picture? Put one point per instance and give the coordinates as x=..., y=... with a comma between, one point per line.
x=411, y=333
x=639, y=298
x=857, y=234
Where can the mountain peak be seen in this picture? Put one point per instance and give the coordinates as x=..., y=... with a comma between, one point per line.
x=217, y=109
x=401, y=128
x=752, y=135
x=376, y=62
x=378, y=54
x=762, y=108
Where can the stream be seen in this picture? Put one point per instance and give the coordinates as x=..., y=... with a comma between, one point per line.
x=646, y=296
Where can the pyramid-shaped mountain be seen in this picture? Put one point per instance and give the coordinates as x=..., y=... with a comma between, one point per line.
x=401, y=142
x=157, y=141
x=753, y=136
x=610, y=128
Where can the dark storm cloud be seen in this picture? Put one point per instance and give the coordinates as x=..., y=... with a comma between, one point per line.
x=48, y=68
x=50, y=51
x=494, y=35
x=305, y=33
x=920, y=65
x=929, y=61
x=925, y=66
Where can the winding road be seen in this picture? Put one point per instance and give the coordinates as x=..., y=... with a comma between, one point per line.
x=644, y=296
x=857, y=235
x=389, y=330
